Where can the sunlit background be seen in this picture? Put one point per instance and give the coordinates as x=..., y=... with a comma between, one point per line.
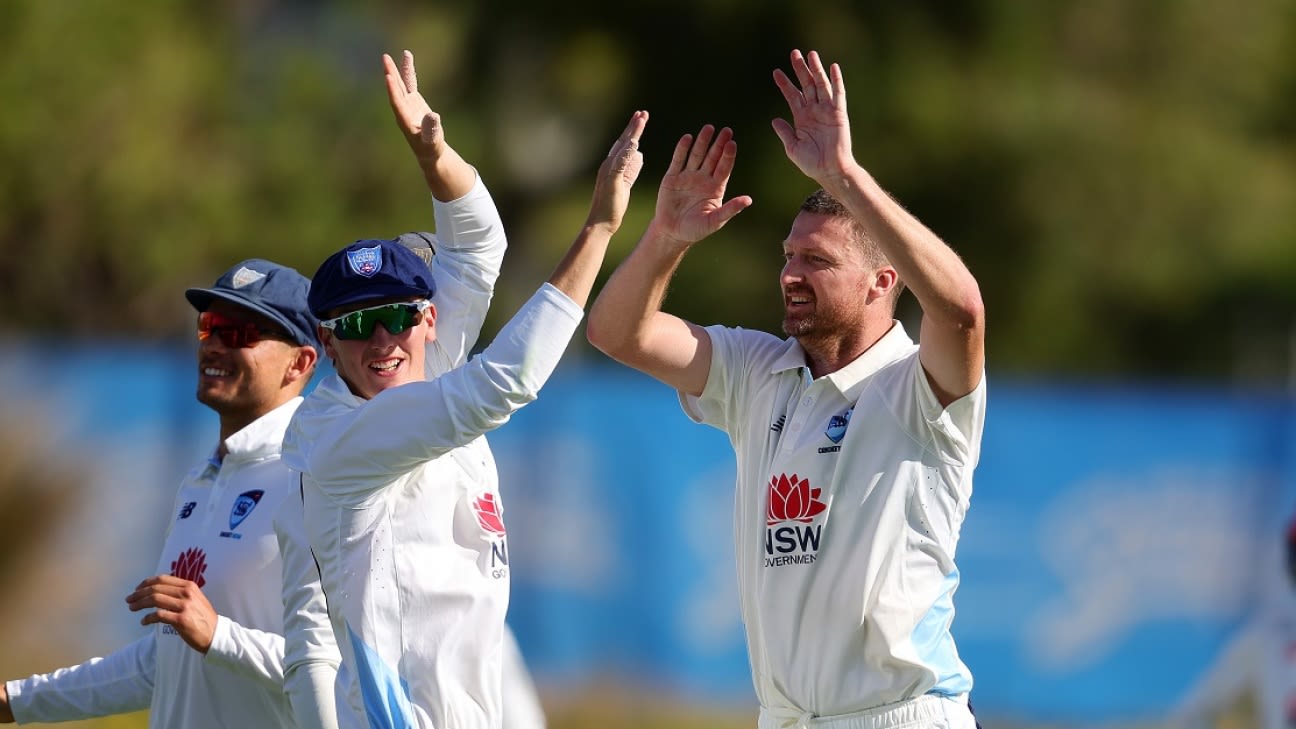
x=1120, y=177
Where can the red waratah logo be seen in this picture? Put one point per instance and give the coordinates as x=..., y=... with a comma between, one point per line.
x=792, y=499
x=488, y=514
x=190, y=565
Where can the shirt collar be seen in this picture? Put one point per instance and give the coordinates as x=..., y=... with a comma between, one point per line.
x=263, y=436
x=891, y=346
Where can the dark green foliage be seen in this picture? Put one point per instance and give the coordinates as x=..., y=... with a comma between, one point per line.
x=1119, y=176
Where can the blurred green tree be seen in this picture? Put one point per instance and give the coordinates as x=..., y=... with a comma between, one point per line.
x=1119, y=176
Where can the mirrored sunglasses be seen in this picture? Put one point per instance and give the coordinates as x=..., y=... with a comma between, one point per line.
x=360, y=324
x=234, y=333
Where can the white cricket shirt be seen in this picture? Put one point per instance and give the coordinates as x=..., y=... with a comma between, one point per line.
x=403, y=513
x=850, y=494
x=222, y=538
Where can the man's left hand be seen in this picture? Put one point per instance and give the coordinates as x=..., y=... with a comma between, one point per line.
x=179, y=603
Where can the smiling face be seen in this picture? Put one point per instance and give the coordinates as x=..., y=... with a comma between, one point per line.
x=243, y=383
x=825, y=280
x=383, y=360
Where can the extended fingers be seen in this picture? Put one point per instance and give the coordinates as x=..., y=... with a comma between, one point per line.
x=804, y=77
x=629, y=139
x=149, y=596
x=395, y=87
x=161, y=580
x=819, y=77
x=813, y=84
x=408, y=74
x=725, y=165
x=791, y=94
x=701, y=145
x=703, y=152
x=838, y=87
x=723, y=145
x=726, y=212
x=680, y=155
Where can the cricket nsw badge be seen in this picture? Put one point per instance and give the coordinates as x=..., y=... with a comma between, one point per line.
x=365, y=261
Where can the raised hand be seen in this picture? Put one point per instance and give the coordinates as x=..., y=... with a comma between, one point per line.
x=690, y=201
x=448, y=176
x=818, y=139
x=421, y=125
x=179, y=603
x=617, y=175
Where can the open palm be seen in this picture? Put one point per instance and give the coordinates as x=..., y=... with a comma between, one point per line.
x=818, y=139
x=690, y=201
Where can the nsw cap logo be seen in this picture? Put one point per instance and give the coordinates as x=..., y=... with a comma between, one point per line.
x=245, y=277
x=365, y=261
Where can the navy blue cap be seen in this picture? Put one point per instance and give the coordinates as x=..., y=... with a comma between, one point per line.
x=271, y=290
x=369, y=270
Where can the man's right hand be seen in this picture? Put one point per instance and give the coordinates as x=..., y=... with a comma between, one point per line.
x=617, y=175
x=690, y=201
x=448, y=176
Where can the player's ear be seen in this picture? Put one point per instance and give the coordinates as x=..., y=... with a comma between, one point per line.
x=885, y=280
x=326, y=338
x=430, y=315
x=302, y=365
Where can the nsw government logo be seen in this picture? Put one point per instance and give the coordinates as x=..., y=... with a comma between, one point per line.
x=791, y=536
x=491, y=520
x=190, y=565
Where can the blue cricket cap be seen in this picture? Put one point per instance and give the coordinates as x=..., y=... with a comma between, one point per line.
x=276, y=292
x=370, y=270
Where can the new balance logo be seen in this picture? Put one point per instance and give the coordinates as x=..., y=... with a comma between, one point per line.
x=777, y=426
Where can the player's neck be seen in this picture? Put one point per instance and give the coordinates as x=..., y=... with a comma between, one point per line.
x=829, y=353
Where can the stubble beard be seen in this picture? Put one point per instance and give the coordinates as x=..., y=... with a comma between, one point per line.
x=800, y=326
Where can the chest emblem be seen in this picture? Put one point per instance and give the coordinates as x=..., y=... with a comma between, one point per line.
x=837, y=426
x=243, y=506
x=792, y=499
x=488, y=514
x=190, y=565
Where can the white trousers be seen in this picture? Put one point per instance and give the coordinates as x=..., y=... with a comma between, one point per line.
x=925, y=712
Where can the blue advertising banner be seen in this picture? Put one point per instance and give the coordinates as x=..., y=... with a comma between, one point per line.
x=1118, y=537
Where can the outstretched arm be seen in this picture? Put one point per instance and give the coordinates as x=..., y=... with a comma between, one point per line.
x=448, y=176
x=420, y=421
x=469, y=241
x=952, y=347
x=117, y=683
x=626, y=321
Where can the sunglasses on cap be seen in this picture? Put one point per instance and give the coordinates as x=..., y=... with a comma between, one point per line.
x=360, y=324
x=234, y=333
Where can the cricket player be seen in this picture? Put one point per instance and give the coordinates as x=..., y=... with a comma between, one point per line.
x=855, y=445
x=401, y=494
x=215, y=654
x=463, y=259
